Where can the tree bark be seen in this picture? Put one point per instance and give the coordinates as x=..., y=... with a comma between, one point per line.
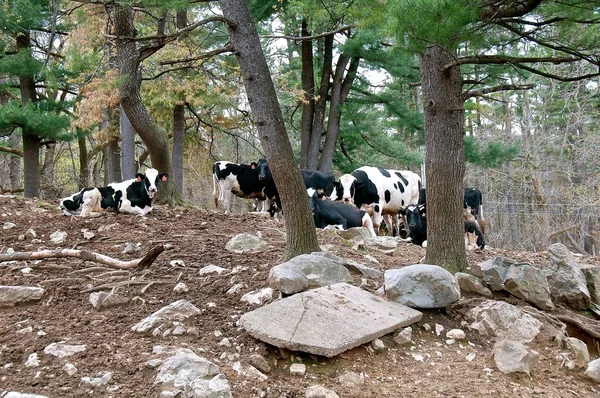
x=31, y=142
x=112, y=161
x=301, y=236
x=444, y=159
x=14, y=163
x=84, y=167
x=128, y=165
x=308, y=93
x=178, y=144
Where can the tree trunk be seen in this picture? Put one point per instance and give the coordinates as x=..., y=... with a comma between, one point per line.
x=31, y=142
x=444, y=160
x=511, y=206
x=14, y=163
x=339, y=92
x=112, y=161
x=128, y=165
x=301, y=236
x=178, y=141
x=84, y=167
x=308, y=100
x=156, y=140
x=47, y=173
x=321, y=105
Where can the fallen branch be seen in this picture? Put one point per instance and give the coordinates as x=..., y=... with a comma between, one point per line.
x=86, y=255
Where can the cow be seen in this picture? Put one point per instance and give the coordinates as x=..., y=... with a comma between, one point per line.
x=327, y=213
x=417, y=226
x=473, y=199
x=240, y=180
x=387, y=190
x=320, y=181
x=133, y=196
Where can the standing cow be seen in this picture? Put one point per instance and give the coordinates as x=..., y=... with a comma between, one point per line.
x=388, y=191
x=132, y=196
x=240, y=180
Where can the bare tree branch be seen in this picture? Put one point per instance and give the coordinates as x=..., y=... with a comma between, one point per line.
x=15, y=151
x=501, y=59
x=209, y=54
x=314, y=37
x=498, y=9
x=494, y=89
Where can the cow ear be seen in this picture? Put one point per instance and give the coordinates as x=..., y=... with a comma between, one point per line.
x=163, y=176
x=253, y=165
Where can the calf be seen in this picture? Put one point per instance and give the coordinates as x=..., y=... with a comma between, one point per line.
x=327, y=213
x=132, y=196
x=388, y=191
x=240, y=180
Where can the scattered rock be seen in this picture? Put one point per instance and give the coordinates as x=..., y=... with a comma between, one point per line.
x=493, y=271
x=456, y=334
x=504, y=320
x=32, y=360
x=530, y=284
x=242, y=243
x=30, y=234
x=101, y=300
x=471, y=283
x=404, y=336
x=98, y=381
x=132, y=247
x=58, y=237
x=355, y=233
x=593, y=370
x=383, y=244
x=62, y=350
x=318, y=391
x=352, y=379
x=421, y=286
x=177, y=311
x=181, y=288
x=211, y=269
x=513, y=356
x=260, y=363
x=8, y=225
x=14, y=394
x=298, y=369
x=12, y=295
x=258, y=298
x=566, y=279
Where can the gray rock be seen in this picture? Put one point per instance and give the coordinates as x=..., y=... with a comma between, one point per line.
x=513, y=356
x=211, y=269
x=58, y=237
x=100, y=300
x=318, y=391
x=493, y=271
x=471, y=283
x=566, y=279
x=8, y=225
x=352, y=379
x=99, y=381
x=12, y=295
x=298, y=369
x=258, y=298
x=303, y=322
x=62, y=350
x=592, y=278
x=383, y=244
x=356, y=233
x=242, y=243
x=503, y=320
x=177, y=311
x=132, y=247
x=530, y=284
x=362, y=269
x=193, y=375
x=404, y=336
x=15, y=394
x=181, y=288
x=421, y=286
x=593, y=370
x=30, y=234
x=308, y=271
x=260, y=363
x=576, y=346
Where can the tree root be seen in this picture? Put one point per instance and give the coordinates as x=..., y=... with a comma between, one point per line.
x=87, y=256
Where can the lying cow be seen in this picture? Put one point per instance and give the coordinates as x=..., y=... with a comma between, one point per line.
x=240, y=180
x=132, y=196
x=417, y=226
x=388, y=191
x=338, y=215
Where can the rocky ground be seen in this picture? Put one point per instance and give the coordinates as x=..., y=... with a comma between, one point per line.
x=429, y=367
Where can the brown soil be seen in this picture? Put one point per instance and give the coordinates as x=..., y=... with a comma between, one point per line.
x=198, y=239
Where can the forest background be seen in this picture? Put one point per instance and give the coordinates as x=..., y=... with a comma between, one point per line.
x=348, y=86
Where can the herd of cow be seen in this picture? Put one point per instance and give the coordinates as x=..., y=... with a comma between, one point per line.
x=366, y=197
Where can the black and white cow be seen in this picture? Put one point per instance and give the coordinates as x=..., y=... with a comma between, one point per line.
x=338, y=215
x=473, y=199
x=388, y=191
x=132, y=196
x=240, y=180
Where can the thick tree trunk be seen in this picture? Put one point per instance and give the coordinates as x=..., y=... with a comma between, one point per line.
x=112, y=161
x=178, y=141
x=339, y=92
x=301, y=236
x=47, y=173
x=128, y=166
x=84, y=167
x=156, y=140
x=14, y=163
x=445, y=163
x=308, y=100
x=31, y=142
x=511, y=206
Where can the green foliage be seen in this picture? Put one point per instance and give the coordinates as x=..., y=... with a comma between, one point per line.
x=20, y=64
x=23, y=15
x=38, y=118
x=492, y=155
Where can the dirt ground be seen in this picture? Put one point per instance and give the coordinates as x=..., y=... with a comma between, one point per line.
x=198, y=239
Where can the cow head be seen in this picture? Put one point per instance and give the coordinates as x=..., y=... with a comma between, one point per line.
x=345, y=188
x=151, y=178
x=264, y=172
x=414, y=216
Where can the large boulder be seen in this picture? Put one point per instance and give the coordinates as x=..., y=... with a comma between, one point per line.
x=421, y=286
x=503, y=320
x=513, y=356
x=308, y=271
x=493, y=271
x=471, y=283
x=566, y=278
x=327, y=321
x=592, y=278
x=529, y=283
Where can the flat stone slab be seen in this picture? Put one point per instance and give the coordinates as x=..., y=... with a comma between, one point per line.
x=327, y=321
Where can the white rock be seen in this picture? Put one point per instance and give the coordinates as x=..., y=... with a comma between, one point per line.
x=70, y=369
x=593, y=370
x=438, y=329
x=404, y=336
x=181, y=288
x=211, y=269
x=8, y=225
x=258, y=298
x=298, y=369
x=471, y=357
x=352, y=379
x=32, y=360
x=456, y=334
x=225, y=342
x=62, y=350
x=176, y=263
x=318, y=391
x=58, y=237
x=378, y=345
x=97, y=381
x=235, y=289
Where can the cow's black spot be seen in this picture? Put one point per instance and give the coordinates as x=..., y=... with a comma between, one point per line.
x=384, y=172
x=376, y=208
x=388, y=196
x=401, y=177
x=395, y=186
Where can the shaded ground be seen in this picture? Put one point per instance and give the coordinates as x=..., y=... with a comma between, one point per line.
x=198, y=239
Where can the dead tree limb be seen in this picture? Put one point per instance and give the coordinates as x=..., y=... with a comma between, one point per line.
x=86, y=255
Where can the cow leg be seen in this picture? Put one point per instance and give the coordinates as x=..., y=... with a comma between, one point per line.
x=91, y=203
x=368, y=224
x=227, y=201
